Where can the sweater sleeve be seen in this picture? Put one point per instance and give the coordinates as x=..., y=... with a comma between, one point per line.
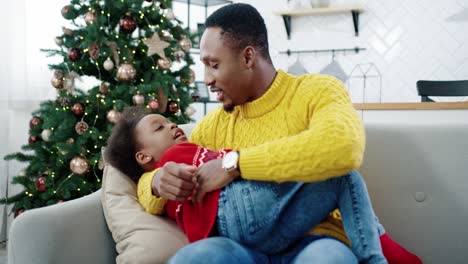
x=331, y=146
x=151, y=203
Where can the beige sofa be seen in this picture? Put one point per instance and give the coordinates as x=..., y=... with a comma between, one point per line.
x=417, y=176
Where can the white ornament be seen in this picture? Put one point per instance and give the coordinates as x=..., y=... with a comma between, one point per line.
x=190, y=111
x=45, y=134
x=59, y=41
x=108, y=64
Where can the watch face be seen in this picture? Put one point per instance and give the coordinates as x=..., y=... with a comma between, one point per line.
x=230, y=160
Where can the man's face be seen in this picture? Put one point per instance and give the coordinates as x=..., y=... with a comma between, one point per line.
x=225, y=72
x=155, y=134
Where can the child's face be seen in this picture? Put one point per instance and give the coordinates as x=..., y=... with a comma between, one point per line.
x=155, y=134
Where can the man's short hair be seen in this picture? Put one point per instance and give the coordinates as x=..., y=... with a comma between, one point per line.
x=241, y=26
x=122, y=143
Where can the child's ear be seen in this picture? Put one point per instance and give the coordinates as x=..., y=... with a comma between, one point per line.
x=143, y=158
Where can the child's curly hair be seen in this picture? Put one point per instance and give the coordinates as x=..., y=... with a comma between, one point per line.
x=121, y=145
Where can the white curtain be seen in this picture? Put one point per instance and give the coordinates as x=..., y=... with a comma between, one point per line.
x=28, y=26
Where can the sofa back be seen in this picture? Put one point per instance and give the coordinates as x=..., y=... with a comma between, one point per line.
x=417, y=176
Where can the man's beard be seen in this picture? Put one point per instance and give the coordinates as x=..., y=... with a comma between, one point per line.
x=228, y=107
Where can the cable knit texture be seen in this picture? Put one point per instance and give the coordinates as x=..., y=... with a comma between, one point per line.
x=302, y=129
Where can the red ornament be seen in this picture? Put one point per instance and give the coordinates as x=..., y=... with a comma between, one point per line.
x=78, y=109
x=19, y=211
x=127, y=24
x=153, y=104
x=35, y=121
x=74, y=54
x=33, y=139
x=40, y=184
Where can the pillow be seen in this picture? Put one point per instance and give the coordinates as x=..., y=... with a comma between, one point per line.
x=140, y=237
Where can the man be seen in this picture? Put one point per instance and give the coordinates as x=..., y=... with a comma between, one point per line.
x=284, y=128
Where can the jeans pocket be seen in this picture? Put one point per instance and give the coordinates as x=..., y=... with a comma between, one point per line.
x=260, y=202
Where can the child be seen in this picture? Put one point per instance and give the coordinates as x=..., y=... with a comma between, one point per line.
x=273, y=215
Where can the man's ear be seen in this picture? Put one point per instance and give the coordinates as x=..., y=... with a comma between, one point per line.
x=249, y=55
x=143, y=158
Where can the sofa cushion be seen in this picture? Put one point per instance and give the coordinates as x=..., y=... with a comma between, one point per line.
x=140, y=237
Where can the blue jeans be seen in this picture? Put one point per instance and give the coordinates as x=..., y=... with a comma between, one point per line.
x=310, y=249
x=270, y=218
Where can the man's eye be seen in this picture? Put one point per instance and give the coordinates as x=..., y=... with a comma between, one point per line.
x=214, y=66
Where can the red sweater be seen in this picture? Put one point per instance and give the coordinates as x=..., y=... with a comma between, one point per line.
x=196, y=221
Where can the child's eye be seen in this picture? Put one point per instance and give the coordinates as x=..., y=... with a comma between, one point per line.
x=158, y=128
x=215, y=66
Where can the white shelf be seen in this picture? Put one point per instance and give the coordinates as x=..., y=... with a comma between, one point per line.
x=355, y=10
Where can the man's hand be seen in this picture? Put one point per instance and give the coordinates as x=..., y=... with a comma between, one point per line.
x=174, y=181
x=210, y=176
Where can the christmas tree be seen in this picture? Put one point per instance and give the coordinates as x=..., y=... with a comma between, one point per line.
x=139, y=53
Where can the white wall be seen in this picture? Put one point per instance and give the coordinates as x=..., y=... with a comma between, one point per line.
x=407, y=40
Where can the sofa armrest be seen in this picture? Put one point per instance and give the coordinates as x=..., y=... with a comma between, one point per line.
x=70, y=232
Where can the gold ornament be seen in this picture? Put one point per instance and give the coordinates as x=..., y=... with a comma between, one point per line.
x=164, y=63
x=81, y=127
x=113, y=116
x=156, y=46
x=93, y=50
x=57, y=82
x=126, y=72
x=185, y=43
x=90, y=17
x=79, y=165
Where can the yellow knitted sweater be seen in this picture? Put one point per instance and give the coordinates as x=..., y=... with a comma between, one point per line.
x=302, y=129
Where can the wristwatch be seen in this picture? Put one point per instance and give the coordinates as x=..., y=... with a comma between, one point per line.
x=230, y=163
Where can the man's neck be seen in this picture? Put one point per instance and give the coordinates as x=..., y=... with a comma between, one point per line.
x=264, y=77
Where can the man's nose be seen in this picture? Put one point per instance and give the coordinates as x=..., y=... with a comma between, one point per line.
x=209, y=80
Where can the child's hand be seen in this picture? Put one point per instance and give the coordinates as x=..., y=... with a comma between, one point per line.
x=174, y=181
x=210, y=176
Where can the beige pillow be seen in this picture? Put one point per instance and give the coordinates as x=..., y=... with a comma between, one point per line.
x=140, y=237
